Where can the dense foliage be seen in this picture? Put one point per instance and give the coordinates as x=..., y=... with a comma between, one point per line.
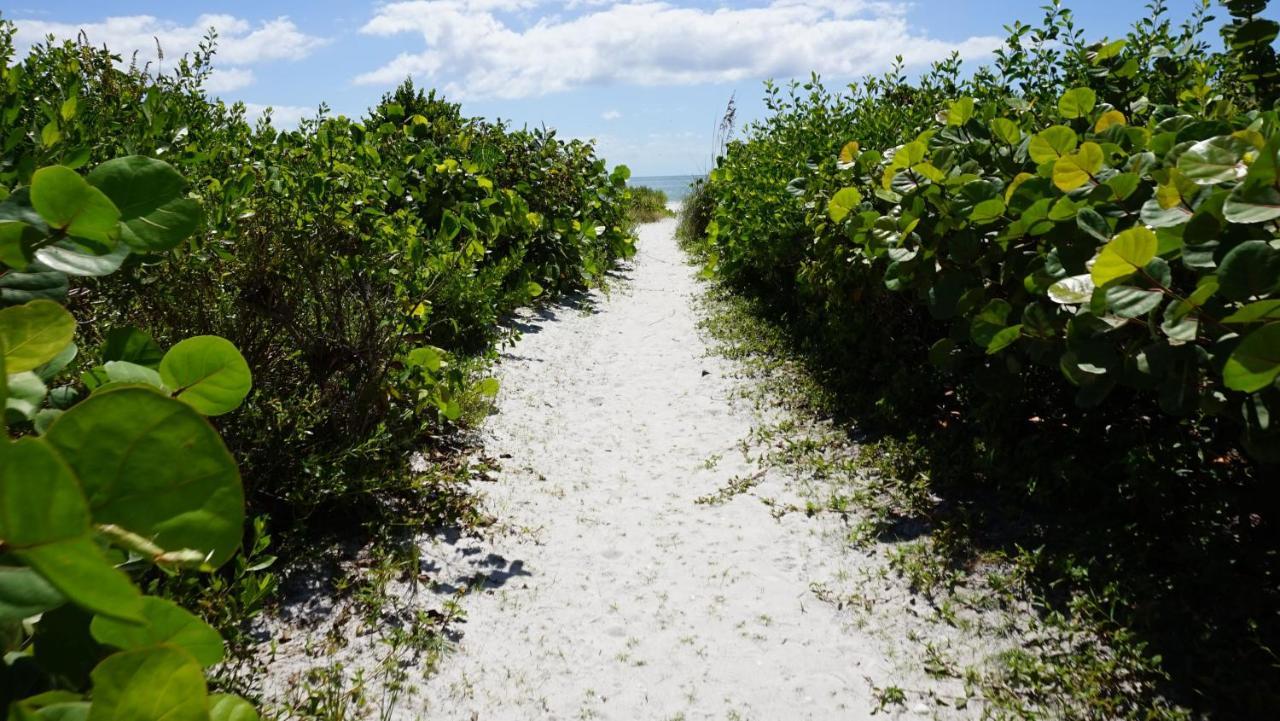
x=358, y=265
x=646, y=205
x=331, y=293
x=117, y=469
x=1063, y=274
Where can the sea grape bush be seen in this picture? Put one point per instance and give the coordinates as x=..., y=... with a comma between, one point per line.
x=353, y=271
x=337, y=256
x=115, y=471
x=1137, y=251
x=1124, y=242
x=1056, y=283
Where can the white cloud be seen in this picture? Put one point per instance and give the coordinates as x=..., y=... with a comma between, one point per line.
x=475, y=53
x=283, y=117
x=659, y=153
x=227, y=79
x=239, y=41
x=611, y=115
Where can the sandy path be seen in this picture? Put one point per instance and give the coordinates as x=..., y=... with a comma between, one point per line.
x=614, y=595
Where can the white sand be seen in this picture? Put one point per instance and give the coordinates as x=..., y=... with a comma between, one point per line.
x=631, y=601
x=611, y=593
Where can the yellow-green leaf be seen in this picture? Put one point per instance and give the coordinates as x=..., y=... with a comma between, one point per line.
x=34, y=333
x=1109, y=120
x=843, y=203
x=1078, y=168
x=1124, y=255
x=1052, y=143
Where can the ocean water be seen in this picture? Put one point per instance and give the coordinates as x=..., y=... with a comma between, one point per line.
x=675, y=186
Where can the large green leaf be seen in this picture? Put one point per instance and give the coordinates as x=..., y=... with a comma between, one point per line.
x=1006, y=130
x=161, y=683
x=1250, y=269
x=1129, y=302
x=843, y=203
x=154, y=467
x=40, y=501
x=1216, y=160
x=69, y=259
x=166, y=622
x=1052, y=143
x=34, y=333
x=1124, y=255
x=155, y=213
x=80, y=571
x=1077, y=103
x=1256, y=312
x=24, y=593
x=1076, y=290
x=1255, y=363
x=229, y=707
x=44, y=521
x=113, y=374
x=1252, y=203
x=135, y=346
x=985, y=326
x=960, y=111
x=39, y=282
x=26, y=393
x=16, y=241
x=208, y=373
x=1075, y=170
x=67, y=203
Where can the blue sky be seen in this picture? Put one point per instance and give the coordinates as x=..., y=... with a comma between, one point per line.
x=646, y=80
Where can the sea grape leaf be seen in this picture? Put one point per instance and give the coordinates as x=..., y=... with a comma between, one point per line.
x=842, y=203
x=1124, y=255
x=1255, y=363
x=24, y=593
x=1078, y=168
x=208, y=373
x=135, y=346
x=69, y=259
x=161, y=683
x=1250, y=269
x=1216, y=160
x=1076, y=290
x=989, y=322
x=67, y=203
x=16, y=240
x=26, y=392
x=1052, y=143
x=960, y=111
x=229, y=707
x=1077, y=103
x=1252, y=203
x=39, y=282
x=166, y=623
x=1006, y=130
x=132, y=443
x=1258, y=311
x=155, y=213
x=34, y=333
x=44, y=521
x=1129, y=302
x=1108, y=120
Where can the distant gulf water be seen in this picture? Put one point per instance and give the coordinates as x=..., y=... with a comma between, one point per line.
x=675, y=186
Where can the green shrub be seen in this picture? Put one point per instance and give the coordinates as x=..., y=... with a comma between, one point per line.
x=696, y=213
x=363, y=267
x=118, y=472
x=1066, y=269
x=646, y=205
